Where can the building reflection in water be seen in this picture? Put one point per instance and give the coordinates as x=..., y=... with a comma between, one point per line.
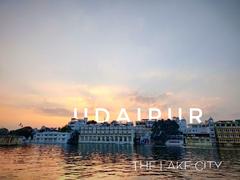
x=88, y=151
x=108, y=161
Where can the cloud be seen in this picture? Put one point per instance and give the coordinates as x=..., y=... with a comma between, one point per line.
x=56, y=100
x=150, y=99
x=54, y=111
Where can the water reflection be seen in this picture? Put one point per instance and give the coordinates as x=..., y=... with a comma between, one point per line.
x=86, y=149
x=107, y=161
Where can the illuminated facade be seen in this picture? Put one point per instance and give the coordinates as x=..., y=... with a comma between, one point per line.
x=228, y=133
x=97, y=133
x=51, y=137
x=202, y=134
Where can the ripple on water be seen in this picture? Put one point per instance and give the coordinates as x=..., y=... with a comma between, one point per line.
x=101, y=161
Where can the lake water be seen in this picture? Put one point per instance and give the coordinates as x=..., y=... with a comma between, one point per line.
x=108, y=161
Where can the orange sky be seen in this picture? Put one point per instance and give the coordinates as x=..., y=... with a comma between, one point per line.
x=52, y=104
x=58, y=56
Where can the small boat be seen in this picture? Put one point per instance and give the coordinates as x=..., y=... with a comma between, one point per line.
x=175, y=141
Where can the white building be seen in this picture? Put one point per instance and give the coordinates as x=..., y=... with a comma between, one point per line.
x=49, y=137
x=75, y=124
x=206, y=127
x=143, y=131
x=97, y=133
x=201, y=134
x=182, y=125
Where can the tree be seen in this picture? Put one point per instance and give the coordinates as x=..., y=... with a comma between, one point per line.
x=65, y=128
x=162, y=129
x=25, y=131
x=92, y=122
x=4, y=131
x=74, y=138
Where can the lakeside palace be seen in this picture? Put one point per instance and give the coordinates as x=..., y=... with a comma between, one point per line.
x=208, y=133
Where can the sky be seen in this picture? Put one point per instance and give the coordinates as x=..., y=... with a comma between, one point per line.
x=57, y=55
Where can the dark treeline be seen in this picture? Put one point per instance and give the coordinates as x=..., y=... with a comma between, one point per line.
x=25, y=131
x=163, y=129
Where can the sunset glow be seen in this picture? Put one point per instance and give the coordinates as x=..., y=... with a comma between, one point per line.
x=58, y=56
